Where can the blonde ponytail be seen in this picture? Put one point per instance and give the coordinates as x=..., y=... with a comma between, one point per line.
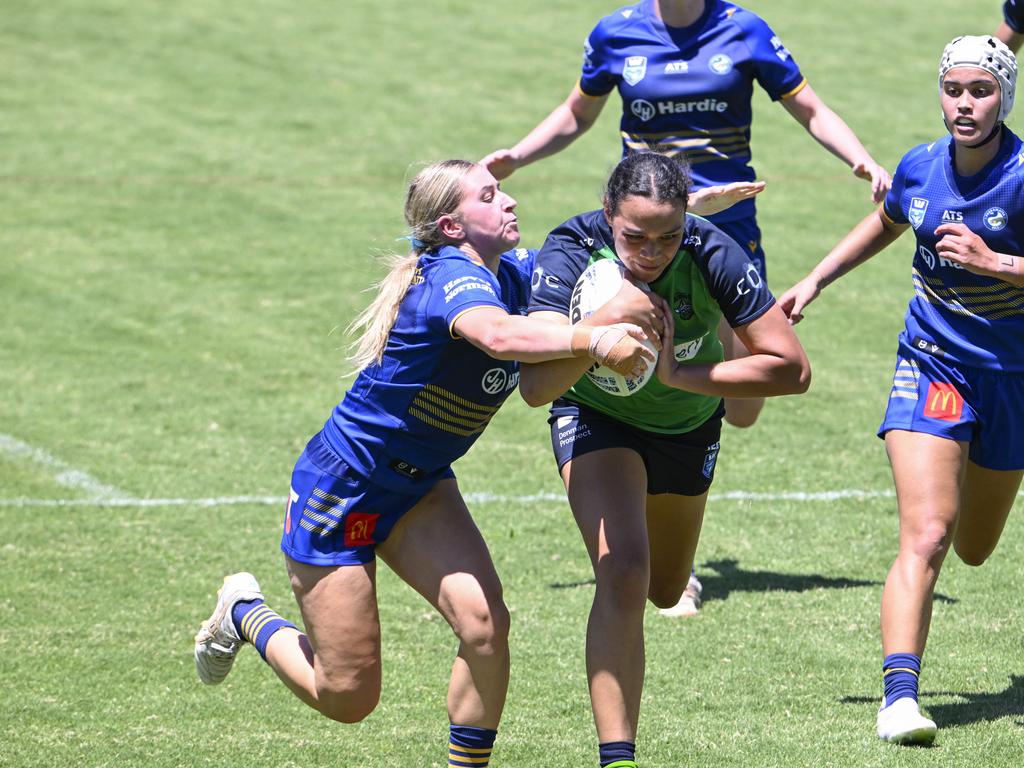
x=435, y=191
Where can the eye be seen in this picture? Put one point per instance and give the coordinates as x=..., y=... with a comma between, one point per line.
x=633, y=238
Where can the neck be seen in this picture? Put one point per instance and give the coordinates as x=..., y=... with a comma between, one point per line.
x=969, y=160
x=679, y=13
x=491, y=262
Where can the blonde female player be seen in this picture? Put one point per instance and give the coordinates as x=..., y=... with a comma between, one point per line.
x=953, y=428
x=637, y=469
x=438, y=357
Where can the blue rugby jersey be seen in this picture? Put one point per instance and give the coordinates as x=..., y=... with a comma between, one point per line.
x=971, y=319
x=1013, y=12
x=688, y=90
x=405, y=420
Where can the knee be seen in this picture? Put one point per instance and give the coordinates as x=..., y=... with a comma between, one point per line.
x=483, y=625
x=973, y=557
x=666, y=594
x=929, y=543
x=351, y=697
x=623, y=581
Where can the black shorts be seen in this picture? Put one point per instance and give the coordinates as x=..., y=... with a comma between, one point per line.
x=680, y=463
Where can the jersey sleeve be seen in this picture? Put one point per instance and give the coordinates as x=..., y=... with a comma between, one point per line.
x=598, y=77
x=892, y=206
x=733, y=279
x=1013, y=14
x=560, y=262
x=457, y=288
x=774, y=67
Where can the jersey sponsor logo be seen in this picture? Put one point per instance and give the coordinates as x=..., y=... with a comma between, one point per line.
x=522, y=253
x=460, y=286
x=926, y=256
x=780, y=49
x=751, y=278
x=943, y=402
x=995, y=218
x=952, y=216
x=677, y=68
x=494, y=380
x=359, y=528
x=688, y=349
x=642, y=108
x=645, y=110
x=720, y=64
x=710, y=459
x=928, y=347
x=539, y=276
x=634, y=69
x=918, y=205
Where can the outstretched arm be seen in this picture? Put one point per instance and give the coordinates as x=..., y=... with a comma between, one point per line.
x=835, y=135
x=569, y=120
x=871, y=235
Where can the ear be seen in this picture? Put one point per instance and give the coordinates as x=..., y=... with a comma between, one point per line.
x=450, y=227
x=607, y=212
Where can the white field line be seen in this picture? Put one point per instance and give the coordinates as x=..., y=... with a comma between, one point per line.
x=471, y=498
x=98, y=494
x=61, y=473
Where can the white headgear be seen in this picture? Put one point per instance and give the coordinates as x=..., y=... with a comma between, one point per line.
x=989, y=54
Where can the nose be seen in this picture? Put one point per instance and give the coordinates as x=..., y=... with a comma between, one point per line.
x=964, y=103
x=510, y=202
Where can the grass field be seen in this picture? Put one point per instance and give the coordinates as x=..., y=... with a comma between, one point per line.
x=191, y=197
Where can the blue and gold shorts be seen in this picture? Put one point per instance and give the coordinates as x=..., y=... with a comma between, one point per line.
x=334, y=516
x=958, y=402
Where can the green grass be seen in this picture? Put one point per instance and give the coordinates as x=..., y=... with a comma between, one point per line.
x=190, y=201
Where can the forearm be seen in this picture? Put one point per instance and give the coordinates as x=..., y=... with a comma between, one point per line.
x=554, y=133
x=514, y=337
x=540, y=383
x=1009, y=269
x=760, y=375
x=871, y=235
x=832, y=132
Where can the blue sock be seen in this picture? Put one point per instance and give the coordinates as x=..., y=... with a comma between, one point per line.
x=256, y=622
x=470, y=747
x=617, y=754
x=900, y=672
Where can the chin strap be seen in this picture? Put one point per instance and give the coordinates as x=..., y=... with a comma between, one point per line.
x=996, y=130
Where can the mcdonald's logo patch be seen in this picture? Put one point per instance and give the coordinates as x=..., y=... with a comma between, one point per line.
x=943, y=402
x=359, y=528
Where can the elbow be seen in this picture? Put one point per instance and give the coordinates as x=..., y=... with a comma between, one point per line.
x=800, y=377
x=532, y=394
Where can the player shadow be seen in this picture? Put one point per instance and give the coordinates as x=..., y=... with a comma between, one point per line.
x=726, y=577
x=968, y=707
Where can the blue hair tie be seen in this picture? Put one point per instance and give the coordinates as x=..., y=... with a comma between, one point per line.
x=414, y=241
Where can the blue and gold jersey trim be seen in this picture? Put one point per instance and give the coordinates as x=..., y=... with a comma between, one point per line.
x=696, y=146
x=444, y=410
x=794, y=91
x=905, y=380
x=991, y=302
x=323, y=513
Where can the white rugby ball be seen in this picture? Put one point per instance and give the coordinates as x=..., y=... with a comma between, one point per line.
x=596, y=287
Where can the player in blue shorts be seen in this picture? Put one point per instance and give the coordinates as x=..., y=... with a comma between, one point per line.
x=685, y=71
x=1011, y=28
x=637, y=469
x=954, y=430
x=437, y=359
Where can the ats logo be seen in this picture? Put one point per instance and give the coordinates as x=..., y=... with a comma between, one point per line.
x=359, y=528
x=943, y=402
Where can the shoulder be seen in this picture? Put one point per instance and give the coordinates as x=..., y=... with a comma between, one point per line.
x=587, y=230
x=926, y=153
x=519, y=261
x=1015, y=161
x=619, y=20
x=449, y=268
x=749, y=22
